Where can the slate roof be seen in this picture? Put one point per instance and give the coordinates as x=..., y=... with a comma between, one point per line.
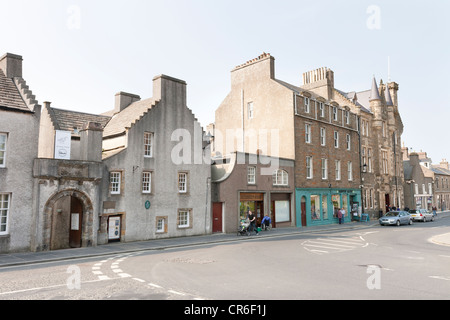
x=68, y=120
x=125, y=118
x=10, y=97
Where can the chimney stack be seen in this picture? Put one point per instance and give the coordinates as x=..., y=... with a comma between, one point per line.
x=444, y=164
x=91, y=138
x=123, y=100
x=11, y=64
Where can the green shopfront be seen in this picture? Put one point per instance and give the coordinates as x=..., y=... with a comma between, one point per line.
x=319, y=206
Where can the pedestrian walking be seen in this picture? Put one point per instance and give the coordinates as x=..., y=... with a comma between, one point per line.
x=339, y=214
x=252, y=218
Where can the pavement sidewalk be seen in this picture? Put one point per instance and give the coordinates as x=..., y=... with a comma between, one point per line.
x=25, y=258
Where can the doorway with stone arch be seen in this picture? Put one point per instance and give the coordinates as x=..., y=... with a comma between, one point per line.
x=68, y=217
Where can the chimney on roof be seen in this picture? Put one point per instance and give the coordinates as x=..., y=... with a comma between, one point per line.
x=91, y=137
x=11, y=64
x=123, y=100
x=320, y=81
x=444, y=164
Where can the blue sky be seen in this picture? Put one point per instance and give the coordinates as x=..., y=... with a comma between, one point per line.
x=78, y=54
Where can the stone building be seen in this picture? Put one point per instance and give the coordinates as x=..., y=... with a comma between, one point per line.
x=441, y=185
x=419, y=181
x=265, y=115
x=380, y=128
x=157, y=168
x=19, y=131
x=70, y=179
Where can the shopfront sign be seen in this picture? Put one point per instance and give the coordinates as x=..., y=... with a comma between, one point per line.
x=251, y=196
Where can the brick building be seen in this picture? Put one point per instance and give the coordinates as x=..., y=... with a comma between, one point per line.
x=265, y=115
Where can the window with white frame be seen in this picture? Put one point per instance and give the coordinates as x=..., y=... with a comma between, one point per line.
x=346, y=117
x=430, y=190
x=350, y=171
x=146, y=182
x=250, y=111
x=324, y=169
x=182, y=182
x=251, y=175
x=4, y=212
x=308, y=133
x=369, y=159
x=384, y=163
x=335, y=113
x=148, y=144
x=416, y=188
x=280, y=178
x=307, y=108
x=161, y=224
x=348, y=142
x=323, y=139
x=114, y=182
x=336, y=139
x=337, y=164
x=3, y=139
x=309, y=167
x=183, y=218
x=321, y=110
x=367, y=128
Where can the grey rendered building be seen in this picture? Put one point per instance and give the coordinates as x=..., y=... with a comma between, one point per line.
x=157, y=168
x=19, y=128
x=72, y=179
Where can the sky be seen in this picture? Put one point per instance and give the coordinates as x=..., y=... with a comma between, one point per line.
x=78, y=54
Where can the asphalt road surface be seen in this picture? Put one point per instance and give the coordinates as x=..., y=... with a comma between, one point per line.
x=375, y=263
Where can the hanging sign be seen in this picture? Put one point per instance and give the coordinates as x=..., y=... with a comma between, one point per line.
x=62, y=144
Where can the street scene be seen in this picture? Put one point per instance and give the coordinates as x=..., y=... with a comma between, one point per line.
x=361, y=261
x=193, y=151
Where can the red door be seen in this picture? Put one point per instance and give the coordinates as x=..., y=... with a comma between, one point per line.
x=303, y=211
x=217, y=217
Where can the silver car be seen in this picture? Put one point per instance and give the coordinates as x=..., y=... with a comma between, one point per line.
x=396, y=218
x=421, y=215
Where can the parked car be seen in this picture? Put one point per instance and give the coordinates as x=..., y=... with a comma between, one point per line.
x=396, y=218
x=421, y=215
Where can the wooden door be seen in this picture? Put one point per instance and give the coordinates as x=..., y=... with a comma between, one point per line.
x=217, y=217
x=303, y=211
x=76, y=221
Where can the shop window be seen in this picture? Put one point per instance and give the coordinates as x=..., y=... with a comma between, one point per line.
x=336, y=200
x=315, y=207
x=282, y=211
x=325, y=207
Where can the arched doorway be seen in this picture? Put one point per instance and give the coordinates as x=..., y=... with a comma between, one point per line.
x=66, y=217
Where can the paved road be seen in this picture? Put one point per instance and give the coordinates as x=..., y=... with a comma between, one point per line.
x=371, y=262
